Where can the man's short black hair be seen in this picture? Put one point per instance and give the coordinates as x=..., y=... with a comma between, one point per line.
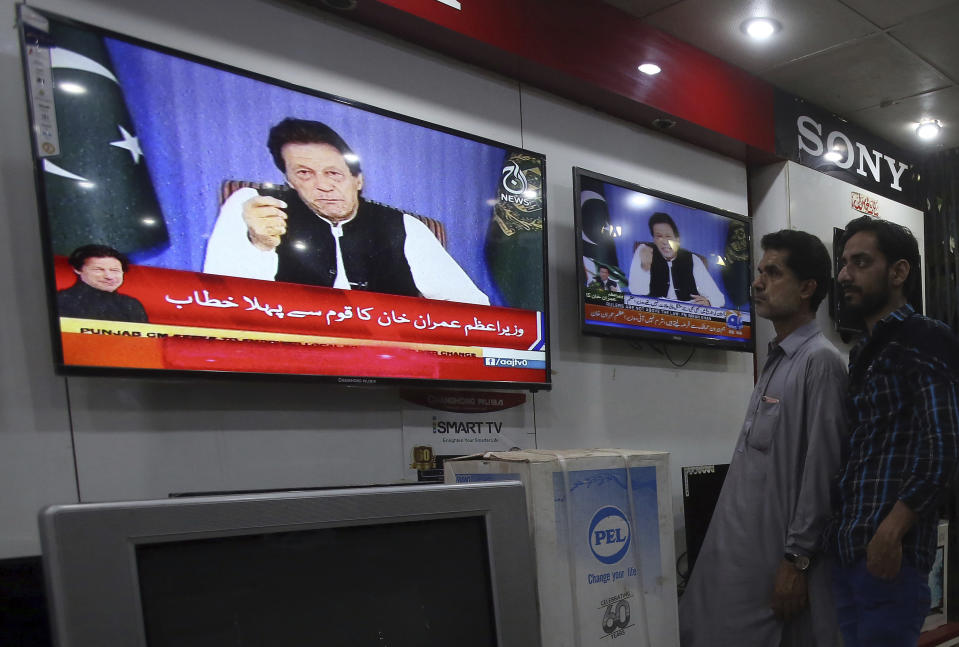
x=894, y=241
x=80, y=255
x=806, y=257
x=304, y=131
x=659, y=218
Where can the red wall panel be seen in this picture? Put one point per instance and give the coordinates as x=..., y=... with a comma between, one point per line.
x=589, y=51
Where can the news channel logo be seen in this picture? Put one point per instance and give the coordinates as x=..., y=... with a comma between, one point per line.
x=734, y=320
x=609, y=534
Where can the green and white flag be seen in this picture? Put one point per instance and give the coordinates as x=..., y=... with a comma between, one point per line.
x=97, y=186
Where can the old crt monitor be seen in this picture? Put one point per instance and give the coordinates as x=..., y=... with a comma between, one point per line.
x=416, y=566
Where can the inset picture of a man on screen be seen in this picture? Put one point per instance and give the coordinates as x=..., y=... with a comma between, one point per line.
x=603, y=282
x=100, y=270
x=665, y=270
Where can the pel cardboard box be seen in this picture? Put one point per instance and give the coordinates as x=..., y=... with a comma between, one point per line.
x=602, y=529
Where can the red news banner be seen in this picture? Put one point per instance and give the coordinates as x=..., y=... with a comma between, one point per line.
x=220, y=323
x=665, y=322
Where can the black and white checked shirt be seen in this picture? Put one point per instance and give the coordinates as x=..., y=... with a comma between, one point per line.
x=903, y=411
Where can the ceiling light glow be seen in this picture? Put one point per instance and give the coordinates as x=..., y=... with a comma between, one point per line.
x=760, y=28
x=650, y=68
x=72, y=88
x=928, y=129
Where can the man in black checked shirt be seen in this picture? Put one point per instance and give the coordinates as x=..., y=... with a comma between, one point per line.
x=903, y=410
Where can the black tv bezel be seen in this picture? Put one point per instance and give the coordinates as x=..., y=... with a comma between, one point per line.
x=746, y=346
x=64, y=369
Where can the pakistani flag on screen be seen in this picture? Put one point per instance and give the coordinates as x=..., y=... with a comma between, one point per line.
x=599, y=245
x=98, y=189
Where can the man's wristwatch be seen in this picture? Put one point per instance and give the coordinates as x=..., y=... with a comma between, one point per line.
x=800, y=562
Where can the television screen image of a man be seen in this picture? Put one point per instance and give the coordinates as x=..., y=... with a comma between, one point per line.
x=100, y=270
x=664, y=270
x=320, y=231
x=603, y=282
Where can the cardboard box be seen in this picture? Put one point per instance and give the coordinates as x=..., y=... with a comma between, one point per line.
x=602, y=529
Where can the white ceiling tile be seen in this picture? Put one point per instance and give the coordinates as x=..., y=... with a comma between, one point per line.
x=934, y=37
x=834, y=53
x=887, y=13
x=858, y=76
x=808, y=26
x=897, y=122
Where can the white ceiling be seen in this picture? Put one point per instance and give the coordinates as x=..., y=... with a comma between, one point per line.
x=882, y=64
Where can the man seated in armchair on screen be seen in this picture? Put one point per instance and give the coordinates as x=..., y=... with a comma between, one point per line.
x=319, y=231
x=665, y=270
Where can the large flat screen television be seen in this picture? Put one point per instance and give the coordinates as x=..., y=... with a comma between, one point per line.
x=660, y=267
x=415, y=566
x=198, y=218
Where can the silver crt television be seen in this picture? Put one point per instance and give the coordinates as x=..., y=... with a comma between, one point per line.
x=399, y=566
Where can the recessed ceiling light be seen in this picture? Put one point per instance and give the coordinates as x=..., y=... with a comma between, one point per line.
x=760, y=28
x=928, y=128
x=650, y=68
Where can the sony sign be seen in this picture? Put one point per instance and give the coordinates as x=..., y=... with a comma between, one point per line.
x=867, y=161
x=814, y=137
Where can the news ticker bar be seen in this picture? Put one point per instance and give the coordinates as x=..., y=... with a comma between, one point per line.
x=731, y=327
x=492, y=356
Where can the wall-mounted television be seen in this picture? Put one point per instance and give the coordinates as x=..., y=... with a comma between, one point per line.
x=413, y=566
x=660, y=267
x=197, y=218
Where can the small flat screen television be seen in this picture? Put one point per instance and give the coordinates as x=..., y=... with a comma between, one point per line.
x=660, y=267
x=273, y=229
x=414, y=566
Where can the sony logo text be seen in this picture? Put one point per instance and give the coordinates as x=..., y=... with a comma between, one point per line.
x=811, y=141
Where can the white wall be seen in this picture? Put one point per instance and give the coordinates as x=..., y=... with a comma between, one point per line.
x=787, y=195
x=143, y=438
x=36, y=453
